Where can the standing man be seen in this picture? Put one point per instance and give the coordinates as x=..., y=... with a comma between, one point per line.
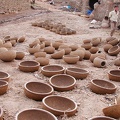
x=113, y=16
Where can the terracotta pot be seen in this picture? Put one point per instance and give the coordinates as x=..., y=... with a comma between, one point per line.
x=35, y=114
x=19, y=55
x=37, y=90
x=99, y=62
x=102, y=86
x=101, y=118
x=110, y=39
x=107, y=47
x=1, y=114
x=115, y=50
x=73, y=47
x=56, y=44
x=117, y=61
x=86, y=41
x=50, y=70
x=42, y=39
x=14, y=38
x=21, y=39
x=29, y=66
x=112, y=111
x=49, y=50
x=34, y=49
x=40, y=54
x=42, y=60
x=113, y=42
x=58, y=55
x=4, y=76
x=94, y=50
x=77, y=72
x=87, y=46
x=3, y=87
x=71, y=59
x=47, y=43
x=3, y=49
x=8, y=56
x=62, y=82
x=114, y=75
x=96, y=41
x=7, y=45
x=67, y=50
x=13, y=42
x=59, y=105
x=34, y=43
x=87, y=55
x=42, y=45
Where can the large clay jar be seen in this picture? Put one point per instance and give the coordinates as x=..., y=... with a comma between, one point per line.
x=7, y=45
x=21, y=39
x=87, y=55
x=56, y=44
x=49, y=50
x=115, y=50
x=34, y=49
x=73, y=47
x=87, y=46
x=8, y=56
x=93, y=50
x=107, y=47
x=99, y=62
x=19, y=55
x=42, y=60
x=117, y=62
x=58, y=55
x=40, y=54
x=96, y=41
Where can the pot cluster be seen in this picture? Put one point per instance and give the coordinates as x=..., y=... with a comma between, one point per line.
x=57, y=28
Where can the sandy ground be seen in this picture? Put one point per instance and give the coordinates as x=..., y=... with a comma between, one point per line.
x=89, y=103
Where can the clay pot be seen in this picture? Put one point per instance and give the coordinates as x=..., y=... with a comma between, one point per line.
x=42, y=45
x=21, y=39
x=113, y=42
x=4, y=76
x=50, y=70
x=1, y=114
x=99, y=62
x=13, y=42
x=58, y=55
x=93, y=50
x=3, y=87
x=29, y=66
x=117, y=62
x=40, y=54
x=19, y=55
x=67, y=50
x=87, y=46
x=112, y=111
x=42, y=60
x=35, y=114
x=49, y=50
x=8, y=56
x=34, y=43
x=102, y=86
x=37, y=90
x=71, y=59
x=110, y=39
x=59, y=105
x=47, y=43
x=62, y=82
x=77, y=72
x=73, y=47
x=107, y=47
x=87, y=55
x=114, y=75
x=14, y=38
x=114, y=50
x=96, y=41
x=42, y=39
x=101, y=118
x=3, y=49
x=7, y=45
x=34, y=49
x=86, y=41
x=56, y=44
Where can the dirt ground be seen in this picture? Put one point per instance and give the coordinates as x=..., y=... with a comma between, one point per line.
x=89, y=103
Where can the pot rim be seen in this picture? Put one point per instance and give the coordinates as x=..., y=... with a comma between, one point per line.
x=109, y=72
x=38, y=109
x=114, y=50
x=6, y=83
x=101, y=117
x=8, y=75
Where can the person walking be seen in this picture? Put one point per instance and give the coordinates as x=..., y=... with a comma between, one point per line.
x=113, y=16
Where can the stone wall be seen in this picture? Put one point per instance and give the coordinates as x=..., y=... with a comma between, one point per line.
x=7, y=6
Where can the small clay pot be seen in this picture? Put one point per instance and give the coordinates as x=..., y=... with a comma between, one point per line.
x=110, y=39
x=87, y=46
x=34, y=49
x=8, y=56
x=3, y=49
x=47, y=43
x=114, y=75
x=71, y=59
x=96, y=41
x=49, y=50
x=102, y=86
x=42, y=39
x=62, y=82
x=34, y=43
x=40, y=54
x=73, y=47
x=107, y=47
x=117, y=62
x=19, y=55
x=13, y=42
x=115, y=50
x=42, y=45
x=7, y=45
x=101, y=118
x=21, y=39
x=59, y=105
x=66, y=48
x=87, y=55
x=42, y=60
x=112, y=111
x=93, y=50
x=99, y=62
x=58, y=55
x=14, y=38
x=113, y=42
x=37, y=90
x=3, y=87
x=56, y=44
x=4, y=76
x=86, y=41
x=1, y=114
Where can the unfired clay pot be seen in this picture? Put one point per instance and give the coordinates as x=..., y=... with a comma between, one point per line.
x=3, y=87
x=56, y=44
x=47, y=43
x=115, y=50
x=87, y=55
x=86, y=41
x=19, y=55
x=117, y=61
x=7, y=45
x=93, y=50
x=34, y=49
x=3, y=49
x=87, y=46
x=113, y=42
x=49, y=50
x=42, y=60
x=110, y=39
x=34, y=43
x=40, y=54
x=96, y=41
x=4, y=76
x=67, y=50
x=107, y=47
x=21, y=39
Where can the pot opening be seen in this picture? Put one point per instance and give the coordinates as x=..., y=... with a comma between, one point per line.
x=103, y=63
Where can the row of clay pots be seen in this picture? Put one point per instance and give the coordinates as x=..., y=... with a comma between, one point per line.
x=58, y=28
